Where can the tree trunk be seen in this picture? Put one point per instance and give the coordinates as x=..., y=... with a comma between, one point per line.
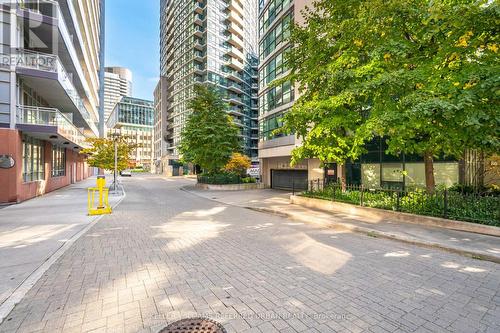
x=430, y=182
x=343, y=177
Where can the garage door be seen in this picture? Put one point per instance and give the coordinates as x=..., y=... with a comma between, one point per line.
x=288, y=179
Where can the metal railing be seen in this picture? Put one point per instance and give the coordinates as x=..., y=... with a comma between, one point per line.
x=51, y=63
x=473, y=207
x=32, y=115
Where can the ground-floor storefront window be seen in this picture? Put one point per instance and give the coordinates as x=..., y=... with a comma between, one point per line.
x=58, y=161
x=33, y=159
x=377, y=169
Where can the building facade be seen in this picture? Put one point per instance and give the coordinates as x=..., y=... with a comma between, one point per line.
x=160, y=158
x=210, y=42
x=374, y=169
x=133, y=118
x=275, y=150
x=49, y=93
x=117, y=84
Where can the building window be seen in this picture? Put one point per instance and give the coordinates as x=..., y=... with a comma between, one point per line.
x=58, y=161
x=274, y=38
x=269, y=125
x=33, y=159
x=275, y=97
x=273, y=69
x=272, y=11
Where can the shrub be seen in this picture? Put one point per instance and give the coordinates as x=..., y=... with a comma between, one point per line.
x=224, y=178
x=221, y=178
x=238, y=164
x=476, y=208
x=248, y=180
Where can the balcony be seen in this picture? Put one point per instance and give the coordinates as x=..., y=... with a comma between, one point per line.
x=44, y=17
x=236, y=7
x=235, y=111
x=199, y=56
x=234, y=52
x=48, y=123
x=234, y=64
x=198, y=31
x=199, y=46
x=234, y=17
x=235, y=41
x=46, y=74
x=235, y=29
x=199, y=8
x=235, y=88
x=199, y=69
x=198, y=19
x=235, y=76
x=238, y=122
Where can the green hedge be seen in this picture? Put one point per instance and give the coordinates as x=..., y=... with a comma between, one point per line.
x=224, y=178
x=452, y=205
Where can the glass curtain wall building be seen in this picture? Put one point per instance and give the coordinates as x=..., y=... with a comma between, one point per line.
x=275, y=20
x=134, y=119
x=375, y=169
x=210, y=41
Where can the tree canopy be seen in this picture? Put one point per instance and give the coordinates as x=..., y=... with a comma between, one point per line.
x=101, y=154
x=421, y=73
x=238, y=164
x=210, y=136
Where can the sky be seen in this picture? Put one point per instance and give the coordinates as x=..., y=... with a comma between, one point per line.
x=132, y=41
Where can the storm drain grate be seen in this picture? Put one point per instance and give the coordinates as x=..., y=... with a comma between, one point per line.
x=194, y=325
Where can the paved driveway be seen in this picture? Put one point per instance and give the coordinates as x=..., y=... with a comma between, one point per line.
x=167, y=254
x=31, y=232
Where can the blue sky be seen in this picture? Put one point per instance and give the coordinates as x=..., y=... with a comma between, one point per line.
x=132, y=41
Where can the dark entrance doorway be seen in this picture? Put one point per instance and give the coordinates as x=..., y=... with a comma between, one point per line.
x=289, y=179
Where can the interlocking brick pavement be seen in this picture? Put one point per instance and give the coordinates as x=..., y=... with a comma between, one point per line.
x=166, y=254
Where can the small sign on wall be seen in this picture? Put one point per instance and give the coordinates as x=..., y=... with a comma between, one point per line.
x=254, y=172
x=7, y=162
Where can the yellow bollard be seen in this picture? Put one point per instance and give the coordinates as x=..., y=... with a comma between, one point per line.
x=103, y=206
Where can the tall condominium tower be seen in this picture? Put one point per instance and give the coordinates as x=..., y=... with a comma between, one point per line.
x=210, y=41
x=275, y=150
x=49, y=93
x=117, y=84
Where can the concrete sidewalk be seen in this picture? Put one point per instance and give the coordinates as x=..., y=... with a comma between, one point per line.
x=32, y=233
x=278, y=202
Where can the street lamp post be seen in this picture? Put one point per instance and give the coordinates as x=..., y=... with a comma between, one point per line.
x=116, y=165
x=115, y=137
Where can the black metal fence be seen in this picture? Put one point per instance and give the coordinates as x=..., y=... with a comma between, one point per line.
x=478, y=208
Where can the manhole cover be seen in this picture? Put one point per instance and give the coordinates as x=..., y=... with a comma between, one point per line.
x=194, y=325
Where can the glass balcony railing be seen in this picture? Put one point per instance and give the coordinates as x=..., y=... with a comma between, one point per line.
x=235, y=86
x=52, y=9
x=33, y=115
x=51, y=63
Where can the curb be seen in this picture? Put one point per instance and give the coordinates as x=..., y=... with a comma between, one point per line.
x=369, y=212
x=376, y=233
x=365, y=231
x=8, y=305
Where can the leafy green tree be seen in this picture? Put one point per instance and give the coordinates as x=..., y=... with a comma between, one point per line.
x=210, y=136
x=422, y=73
x=101, y=154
